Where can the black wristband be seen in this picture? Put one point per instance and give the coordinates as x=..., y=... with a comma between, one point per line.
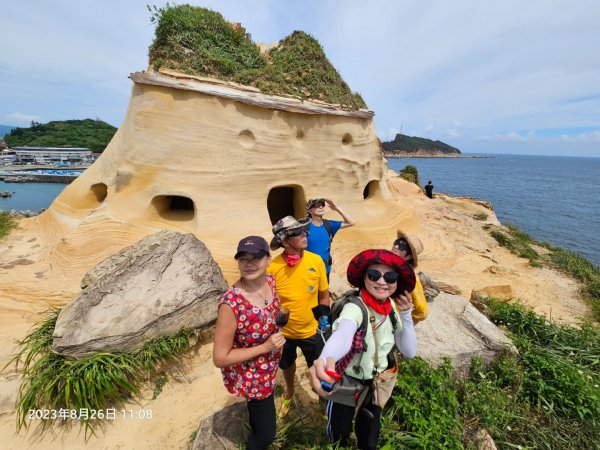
x=320, y=310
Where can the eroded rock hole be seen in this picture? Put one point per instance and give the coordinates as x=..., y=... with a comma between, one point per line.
x=371, y=189
x=285, y=201
x=100, y=191
x=174, y=207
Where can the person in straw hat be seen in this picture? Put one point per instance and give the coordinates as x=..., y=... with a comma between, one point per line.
x=302, y=286
x=410, y=247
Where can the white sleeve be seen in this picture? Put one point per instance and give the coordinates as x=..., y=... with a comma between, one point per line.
x=340, y=341
x=406, y=339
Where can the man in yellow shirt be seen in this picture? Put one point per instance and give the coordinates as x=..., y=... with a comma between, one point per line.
x=301, y=283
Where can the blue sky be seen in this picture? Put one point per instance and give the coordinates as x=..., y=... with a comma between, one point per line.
x=486, y=77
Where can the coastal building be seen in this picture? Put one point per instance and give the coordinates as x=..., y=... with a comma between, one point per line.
x=7, y=157
x=52, y=155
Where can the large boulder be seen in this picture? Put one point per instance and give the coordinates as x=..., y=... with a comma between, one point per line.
x=156, y=287
x=457, y=330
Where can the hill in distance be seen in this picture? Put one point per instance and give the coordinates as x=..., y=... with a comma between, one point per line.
x=403, y=145
x=88, y=133
x=5, y=129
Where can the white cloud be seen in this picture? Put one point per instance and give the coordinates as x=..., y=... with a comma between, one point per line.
x=18, y=118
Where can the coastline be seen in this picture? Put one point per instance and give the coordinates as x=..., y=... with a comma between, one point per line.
x=395, y=156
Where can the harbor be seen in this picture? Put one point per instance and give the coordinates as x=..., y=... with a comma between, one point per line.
x=40, y=174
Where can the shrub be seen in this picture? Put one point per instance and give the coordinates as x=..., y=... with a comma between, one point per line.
x=410, y=173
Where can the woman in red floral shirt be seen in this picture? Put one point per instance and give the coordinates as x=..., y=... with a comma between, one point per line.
x=248, y=343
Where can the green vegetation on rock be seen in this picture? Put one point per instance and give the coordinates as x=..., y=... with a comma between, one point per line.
x=7, y=223
x=543, y=254
x=410, y=145
x=88, y=133
x=197, y=41
x=410, y=173
x=101, y=381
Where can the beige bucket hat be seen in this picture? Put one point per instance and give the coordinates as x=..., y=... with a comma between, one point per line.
x=414, y=243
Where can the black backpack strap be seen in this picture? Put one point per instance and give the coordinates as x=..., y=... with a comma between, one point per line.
x=327, y=225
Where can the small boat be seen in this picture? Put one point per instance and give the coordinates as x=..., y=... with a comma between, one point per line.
x=5, y=194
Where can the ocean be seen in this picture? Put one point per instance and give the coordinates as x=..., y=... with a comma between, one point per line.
x=554, y=199
x=29, y=196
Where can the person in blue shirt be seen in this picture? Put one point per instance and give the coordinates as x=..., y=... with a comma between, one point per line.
x=322, y=231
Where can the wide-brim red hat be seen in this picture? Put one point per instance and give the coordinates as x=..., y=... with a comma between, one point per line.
x=361, y=262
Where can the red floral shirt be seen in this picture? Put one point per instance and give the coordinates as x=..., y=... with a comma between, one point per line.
x=255, y=378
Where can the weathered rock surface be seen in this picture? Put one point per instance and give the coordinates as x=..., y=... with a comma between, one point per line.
x=501, y=292
x=448, y=288
x=161, y=284
x=455, y=329
x=222, y=429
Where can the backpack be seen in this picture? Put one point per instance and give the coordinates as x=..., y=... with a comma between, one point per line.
x=359, y=346
x=353, y=296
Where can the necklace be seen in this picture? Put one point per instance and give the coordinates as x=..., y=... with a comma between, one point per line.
x=258, y=291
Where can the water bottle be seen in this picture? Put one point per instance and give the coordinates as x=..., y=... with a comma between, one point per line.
x=324, y=326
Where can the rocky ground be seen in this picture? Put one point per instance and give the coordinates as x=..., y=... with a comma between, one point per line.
x=458, y=252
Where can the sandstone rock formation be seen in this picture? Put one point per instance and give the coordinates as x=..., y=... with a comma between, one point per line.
x=166, y=282
x=456, y=330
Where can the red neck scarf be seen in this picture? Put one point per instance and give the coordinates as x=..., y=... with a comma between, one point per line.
x=292, y=260
x=380, y=308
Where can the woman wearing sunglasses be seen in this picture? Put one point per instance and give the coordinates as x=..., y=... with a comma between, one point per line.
x=384, y=281
x=248, y=343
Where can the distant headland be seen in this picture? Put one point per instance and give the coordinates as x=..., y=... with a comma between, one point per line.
x=404, y=146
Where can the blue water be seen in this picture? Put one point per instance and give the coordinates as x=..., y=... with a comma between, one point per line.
x=554, y=199
x=29, y=196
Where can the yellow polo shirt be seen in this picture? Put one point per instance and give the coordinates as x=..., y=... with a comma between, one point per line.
x=298, y=288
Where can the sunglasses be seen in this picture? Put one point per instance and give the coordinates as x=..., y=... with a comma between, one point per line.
x=318, y=205
x=401, y=245
x=296, y=233
x=388, y=277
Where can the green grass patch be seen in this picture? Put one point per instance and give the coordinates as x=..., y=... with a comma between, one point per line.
x=566, y=261
x=198, y=41
x=99, y=382
x=7, y=223
x=480, y=216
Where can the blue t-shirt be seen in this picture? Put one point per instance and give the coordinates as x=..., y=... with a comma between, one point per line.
x=318, y=240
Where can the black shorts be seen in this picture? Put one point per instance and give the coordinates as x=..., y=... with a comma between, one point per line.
x=311, y=349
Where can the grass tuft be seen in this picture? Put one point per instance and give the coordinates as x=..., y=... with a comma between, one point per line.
x=568, y=262
x=7, y=223
x=99, y=382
